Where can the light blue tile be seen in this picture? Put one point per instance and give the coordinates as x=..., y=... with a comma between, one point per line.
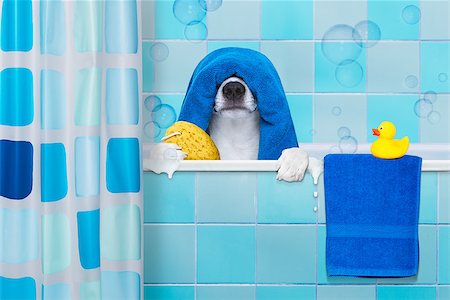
x=396, y=72
x=87, y=166
x=302, y=115
x=226, y=254
x=56, y=291
x=397, y=109
x=121, y=285
x=427, y=260
x=406, y=293
x=444, y=259
x=444, y=292
x=346, y=75
x=173, y=73
x=214, y=45
x=17, y=26
x=169, y=254
x=169, y=200
x=235, y=20
x=293, y=62
x=53, y=100
x=393, y=20
x=435, y=17
x=286, y=254
x=444, y=198
x=52, y=27
x=290, y=20
x=121, y=36
x=168, y=292
x=332, y=112
x=165, y=23
x=225, y=292
x=321, y=265
x=346, y=292
x=435, y=66
x=226, y=197
x=148, y=20
x=285, y=202
x=285, y=292
x=428, y=198
x=436, y=127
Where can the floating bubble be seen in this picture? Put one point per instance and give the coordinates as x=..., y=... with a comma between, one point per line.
x=196, y=32
x=349, y=73
x=335, y=149
x=443, y=77
x=367, y=33
x=210, y=5
x=430, y=96
x=423, y=108
x=348, y=144
x=151, y=102
x=159, y=52
x=163, y=115
x=411, y=81
x=434, y=117
x=341, y=42
x=411, y=14
x=151, y=130
x=170, y=154
x=336, y=111
x=187, y=11
x=344, y=132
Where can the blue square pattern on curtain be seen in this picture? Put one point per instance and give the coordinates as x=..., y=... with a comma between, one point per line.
x=53, y=172
x=16, y=25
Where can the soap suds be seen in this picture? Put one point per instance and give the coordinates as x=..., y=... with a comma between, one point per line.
x=315, y=168
x=164, y=158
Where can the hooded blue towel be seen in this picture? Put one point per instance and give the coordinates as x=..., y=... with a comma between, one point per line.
x=372, y=211
x=276, y=128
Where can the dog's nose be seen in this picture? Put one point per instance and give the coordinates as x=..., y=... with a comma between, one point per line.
x=233, y=91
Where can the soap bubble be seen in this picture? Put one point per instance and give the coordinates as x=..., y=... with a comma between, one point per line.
x=151, y=102
x=159, y=52
x=170, y=154
x=341, y=42
x=336, y=111
x=443, y=77
x=411, y=81
x=210, y=5
x=369, y=32
x=349, y=73
x=163, y=115
x=423, y=108
x=196, y=31
x=151, y=130
x=348, y=144
x=434, y=117
x=335, y=149
x=344, y=132
x=187, y=11
x=430, y=96
x=411, y=14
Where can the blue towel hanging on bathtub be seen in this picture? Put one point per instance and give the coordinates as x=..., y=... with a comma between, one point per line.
x=372, y=211
x=276, y=127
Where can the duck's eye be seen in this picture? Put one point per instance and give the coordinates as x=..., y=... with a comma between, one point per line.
x=381, y=128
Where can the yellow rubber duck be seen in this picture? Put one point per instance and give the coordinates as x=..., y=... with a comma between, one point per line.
x=385, y=146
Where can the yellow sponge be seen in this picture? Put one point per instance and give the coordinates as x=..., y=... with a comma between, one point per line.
x=193, y=140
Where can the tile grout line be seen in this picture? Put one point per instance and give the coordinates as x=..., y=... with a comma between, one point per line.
x=195, y=233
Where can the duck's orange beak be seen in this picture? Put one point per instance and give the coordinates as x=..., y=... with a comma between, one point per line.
x=376, y=132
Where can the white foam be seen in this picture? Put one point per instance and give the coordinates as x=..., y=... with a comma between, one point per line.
x=315, y=168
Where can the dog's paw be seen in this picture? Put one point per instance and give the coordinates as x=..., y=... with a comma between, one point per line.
x=292, y=164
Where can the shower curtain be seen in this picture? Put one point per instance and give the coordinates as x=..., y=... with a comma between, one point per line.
x=70, y=175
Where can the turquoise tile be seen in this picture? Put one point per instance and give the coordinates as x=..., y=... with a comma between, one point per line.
x=286, y=254
x=53, y=172
x=226, y=197
x=169, y=200
x=301, y=108
x=226, y=254
x=344, y=71
x=322, y=277
x=245, y=24
x=225, y=292
x=168, y=292
x=148, y=20
x=444, y=198
x=289, y=20
x=17, y=26
x=435, y=66
x=166, y=26
x=285, y=202
x=17, y=288
x=331, y=112
x=436, y=127
x=120, y=285
x=56, y=243
x=443, y=292
x=427, y=260
x=169, y=255
x=346, y=292
x=88, y=97
x=397, y=20
x=399, y=109
x=434, y=16
x=173, y=73
x=285, y=292
x=406, y=292
x=402, y=63
x=88, y=26
x=214, y=45
x=444, y=259
x=428, y=198
x=293, y=62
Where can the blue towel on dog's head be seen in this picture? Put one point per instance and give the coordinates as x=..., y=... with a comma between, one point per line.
x=276, y=128
x=372, y=211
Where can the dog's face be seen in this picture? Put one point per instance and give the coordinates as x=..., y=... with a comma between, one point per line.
x=234, y=99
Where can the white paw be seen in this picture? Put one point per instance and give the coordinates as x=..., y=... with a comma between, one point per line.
x=164, y=158
x=292, y=164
